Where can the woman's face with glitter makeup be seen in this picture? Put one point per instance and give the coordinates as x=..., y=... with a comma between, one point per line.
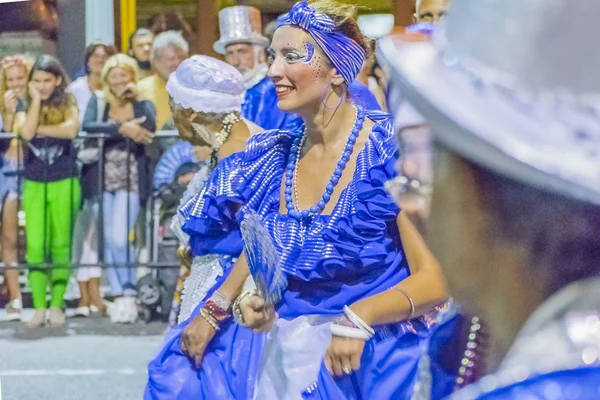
x=299, y=69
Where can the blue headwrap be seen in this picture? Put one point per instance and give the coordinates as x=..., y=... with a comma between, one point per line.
x=345, y=54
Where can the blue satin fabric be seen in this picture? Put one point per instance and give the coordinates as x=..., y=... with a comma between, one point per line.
x=363, y=97
x=229, y=367
x=351, y=254
x=260, y=107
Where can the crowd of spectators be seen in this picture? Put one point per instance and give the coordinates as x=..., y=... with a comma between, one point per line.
x=62, y=180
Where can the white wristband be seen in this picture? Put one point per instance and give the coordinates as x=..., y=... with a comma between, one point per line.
x=346, y=331
x=357, y=320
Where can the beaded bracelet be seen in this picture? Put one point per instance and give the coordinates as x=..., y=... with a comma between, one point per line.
x=216, y=309
x=209, y=319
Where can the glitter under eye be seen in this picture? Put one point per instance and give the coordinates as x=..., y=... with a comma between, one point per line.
x=310, y=49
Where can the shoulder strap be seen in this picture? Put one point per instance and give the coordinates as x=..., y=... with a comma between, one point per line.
x=101, y=104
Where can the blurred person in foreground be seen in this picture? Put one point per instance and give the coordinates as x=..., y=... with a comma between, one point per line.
x=14, y=72
x=130, y=124
x=140, y=48
x=516, y=185
x=168, y=51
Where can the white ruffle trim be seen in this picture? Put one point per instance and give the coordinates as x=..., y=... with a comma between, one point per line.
x=201, y=100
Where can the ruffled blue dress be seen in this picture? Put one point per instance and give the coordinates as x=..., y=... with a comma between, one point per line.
x=333, y=261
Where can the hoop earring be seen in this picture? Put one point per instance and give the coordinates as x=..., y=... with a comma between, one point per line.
x=323, y=98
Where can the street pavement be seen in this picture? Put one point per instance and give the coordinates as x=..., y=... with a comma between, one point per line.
x=88, y=359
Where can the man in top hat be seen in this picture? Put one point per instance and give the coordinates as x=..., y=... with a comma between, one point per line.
x=243, y=46
x=515, y=211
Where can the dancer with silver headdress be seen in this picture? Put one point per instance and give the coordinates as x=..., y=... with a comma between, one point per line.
x=515, y=211
x=345, y=264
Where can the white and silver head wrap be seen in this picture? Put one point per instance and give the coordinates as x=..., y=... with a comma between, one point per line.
x=206, y=84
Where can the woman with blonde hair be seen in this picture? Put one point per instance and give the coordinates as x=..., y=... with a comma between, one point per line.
x=130, y=124
x=14, y=71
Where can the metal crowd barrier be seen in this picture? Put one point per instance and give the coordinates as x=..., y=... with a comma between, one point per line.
x=151, y=215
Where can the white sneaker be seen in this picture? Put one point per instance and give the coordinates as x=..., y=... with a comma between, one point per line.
x=123, y=310
x=82, y=312
x=13, y=310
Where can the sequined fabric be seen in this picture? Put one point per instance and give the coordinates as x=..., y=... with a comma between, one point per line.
x=205, y=271
x=358, y=246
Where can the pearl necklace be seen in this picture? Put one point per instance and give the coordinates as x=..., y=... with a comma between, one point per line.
x=221, y=137
x=291, y=174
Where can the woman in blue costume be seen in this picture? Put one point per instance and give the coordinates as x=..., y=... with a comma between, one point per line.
x=346, y=265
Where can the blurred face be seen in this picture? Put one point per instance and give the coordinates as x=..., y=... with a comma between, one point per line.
x=160, y=24
x=142, y=45
x=168, y=62
x=97, y=60
x=118, y=78
x=298, y=68
x=241, y=56
x=16, y=80
x=439, y=192
x=458, y=230
x=431, y=11
x=45, y=83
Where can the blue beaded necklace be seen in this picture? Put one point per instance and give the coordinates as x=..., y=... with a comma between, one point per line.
x=291, y=186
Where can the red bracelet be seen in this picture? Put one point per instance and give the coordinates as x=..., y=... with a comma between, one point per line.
x=217, y=312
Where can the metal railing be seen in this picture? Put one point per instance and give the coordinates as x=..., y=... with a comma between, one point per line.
x=151, y=215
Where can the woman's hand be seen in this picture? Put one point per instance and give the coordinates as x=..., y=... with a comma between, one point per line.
x=128, y=92
x=195, y=338
x=34, y=93
x=134, y=130
x=10, y=102
x=257, y=316
x=343, y=355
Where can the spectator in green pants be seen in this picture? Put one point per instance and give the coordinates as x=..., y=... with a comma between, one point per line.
x=51, y=194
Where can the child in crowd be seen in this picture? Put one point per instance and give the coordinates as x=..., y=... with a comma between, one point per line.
x=51, y=193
